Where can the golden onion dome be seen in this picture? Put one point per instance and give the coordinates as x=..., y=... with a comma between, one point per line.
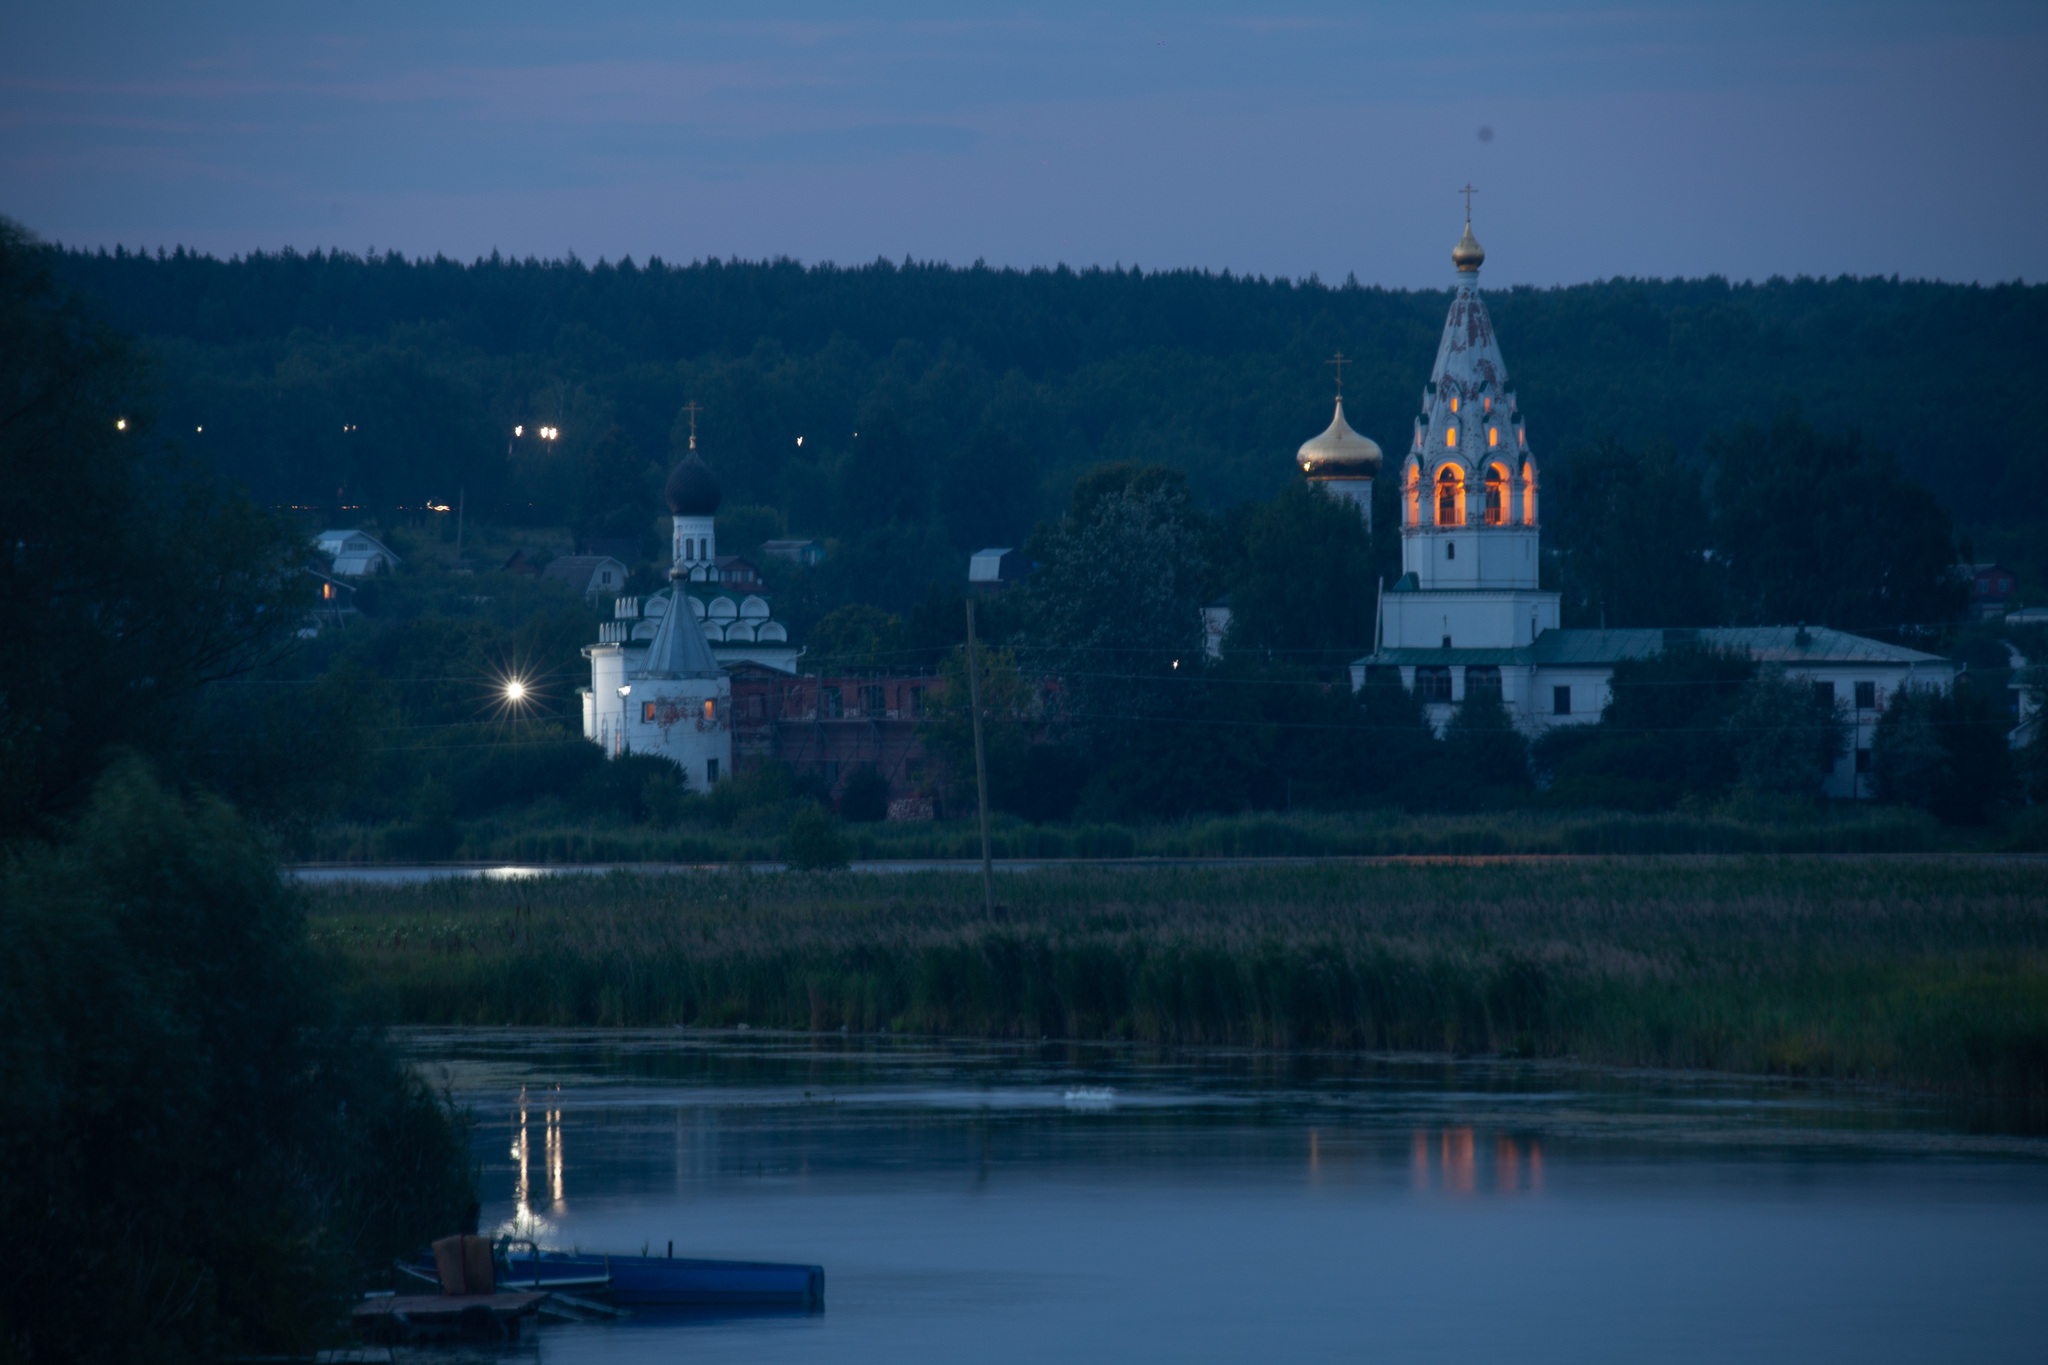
x=1468, y=255
x=1339, y=452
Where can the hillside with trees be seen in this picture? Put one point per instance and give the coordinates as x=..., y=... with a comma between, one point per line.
x=919, y=411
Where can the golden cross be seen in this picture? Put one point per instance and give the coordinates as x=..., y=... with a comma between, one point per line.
x=1338, y=363
x=1468, y=192
x=693, y=407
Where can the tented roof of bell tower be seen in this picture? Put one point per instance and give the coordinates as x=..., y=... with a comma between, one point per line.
x=1468, y=359
x=679, y=649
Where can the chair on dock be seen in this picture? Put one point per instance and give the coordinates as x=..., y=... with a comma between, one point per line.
x=465, y=1265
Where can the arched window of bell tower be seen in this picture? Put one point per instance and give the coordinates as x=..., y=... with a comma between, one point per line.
x=1499, y=497
x=1528, y=492
x=1450, y=496
x=1411, y=494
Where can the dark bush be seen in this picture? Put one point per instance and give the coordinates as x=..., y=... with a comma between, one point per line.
x=864, y=797
x=813, y=841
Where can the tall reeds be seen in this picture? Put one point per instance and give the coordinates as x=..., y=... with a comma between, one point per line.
x=1924, y=971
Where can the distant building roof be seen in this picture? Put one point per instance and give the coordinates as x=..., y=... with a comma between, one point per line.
x=796, y=551
x=355, y=552
x=587, y=573
x=996, y=565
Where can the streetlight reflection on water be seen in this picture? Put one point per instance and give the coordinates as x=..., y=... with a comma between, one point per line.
x=525, y=1220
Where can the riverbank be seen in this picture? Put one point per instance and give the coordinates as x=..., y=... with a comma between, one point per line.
x=1930, y=973
x=759, y=837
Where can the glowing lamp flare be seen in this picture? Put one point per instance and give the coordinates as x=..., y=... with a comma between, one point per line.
x=515, y=690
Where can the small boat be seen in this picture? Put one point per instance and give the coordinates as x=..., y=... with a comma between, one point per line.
x=637, y=1281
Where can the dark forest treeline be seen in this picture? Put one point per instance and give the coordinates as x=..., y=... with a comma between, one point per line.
x=330, y=379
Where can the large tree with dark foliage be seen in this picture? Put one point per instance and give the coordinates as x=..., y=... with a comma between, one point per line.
x=1632, y=538
x=1304, y=594
x=1826, y=529
x=132, y=578
x=207, y=1155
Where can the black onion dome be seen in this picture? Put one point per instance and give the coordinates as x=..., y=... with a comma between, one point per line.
x=693, y=489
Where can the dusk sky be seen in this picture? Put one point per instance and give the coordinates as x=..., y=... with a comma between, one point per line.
x=1679, y=139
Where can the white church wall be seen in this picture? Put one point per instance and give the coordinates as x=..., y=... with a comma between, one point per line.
x=1473, y=620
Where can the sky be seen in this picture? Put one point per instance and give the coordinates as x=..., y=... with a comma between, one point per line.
x=1745, y=140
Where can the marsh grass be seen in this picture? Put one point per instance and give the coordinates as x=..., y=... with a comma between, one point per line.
x=1777, y=830
x=1929, y=972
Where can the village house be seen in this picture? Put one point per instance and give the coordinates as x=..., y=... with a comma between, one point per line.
x=356, y=553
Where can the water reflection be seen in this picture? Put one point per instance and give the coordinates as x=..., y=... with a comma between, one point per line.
x=525, y=1221
x=980, y=1201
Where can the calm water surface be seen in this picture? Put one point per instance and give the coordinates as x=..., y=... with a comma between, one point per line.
x=1052, y=1203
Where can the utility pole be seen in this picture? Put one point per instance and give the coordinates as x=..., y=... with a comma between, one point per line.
x=988, y=871
x=461, y=497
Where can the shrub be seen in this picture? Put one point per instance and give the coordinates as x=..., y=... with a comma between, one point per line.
x=865, y=797
x=813, y=841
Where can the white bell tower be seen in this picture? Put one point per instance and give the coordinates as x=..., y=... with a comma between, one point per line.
x=1469, y=554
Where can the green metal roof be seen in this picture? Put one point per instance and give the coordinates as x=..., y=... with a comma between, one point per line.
x=1604, y=648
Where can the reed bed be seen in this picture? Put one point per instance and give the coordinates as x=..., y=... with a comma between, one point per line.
x=1926, y=972
x=1353, y=834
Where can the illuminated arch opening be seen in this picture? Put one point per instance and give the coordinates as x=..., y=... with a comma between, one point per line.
x=1413, y=493
x=1450, y=496
x=1499, y=496
x=1528, y=492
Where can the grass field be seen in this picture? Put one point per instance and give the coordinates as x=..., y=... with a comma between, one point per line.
x=1927, y=972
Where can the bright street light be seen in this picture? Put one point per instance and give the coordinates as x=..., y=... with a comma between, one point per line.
x=515, y=690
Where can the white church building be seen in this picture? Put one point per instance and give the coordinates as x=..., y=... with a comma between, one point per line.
x=656, y=687
x=1467, y=612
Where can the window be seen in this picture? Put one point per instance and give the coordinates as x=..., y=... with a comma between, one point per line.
x=1492, y=437
x=1560, y=701
x=690, y=548
x=710, y=710
x=1454, y=402
x=1496, y=496
x=1824, y=693
x=1450, y=436
x=647, y=712
x=1862, y=761
x=873, y=702
x=1450, y=549
x=1866, y=696
x=1433, y=683
x=1482, y=680
x=830, y=704
x=710, y=767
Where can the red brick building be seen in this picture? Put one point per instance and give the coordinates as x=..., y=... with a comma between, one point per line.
x=832, y=724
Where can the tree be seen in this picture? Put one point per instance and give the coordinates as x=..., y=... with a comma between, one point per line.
x=1826, y=529
x=1944, y=752
x=1662, y=735
x=207, y=1155
x=947, y=731
x=854, y=637
x=1306, y=593
x=988, y=493
x=132, y=579
x=1786, y=735
x=1631, y=533
x=1482, y=747
x=1402, y=757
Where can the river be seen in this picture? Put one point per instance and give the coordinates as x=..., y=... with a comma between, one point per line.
x=995, y=1203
